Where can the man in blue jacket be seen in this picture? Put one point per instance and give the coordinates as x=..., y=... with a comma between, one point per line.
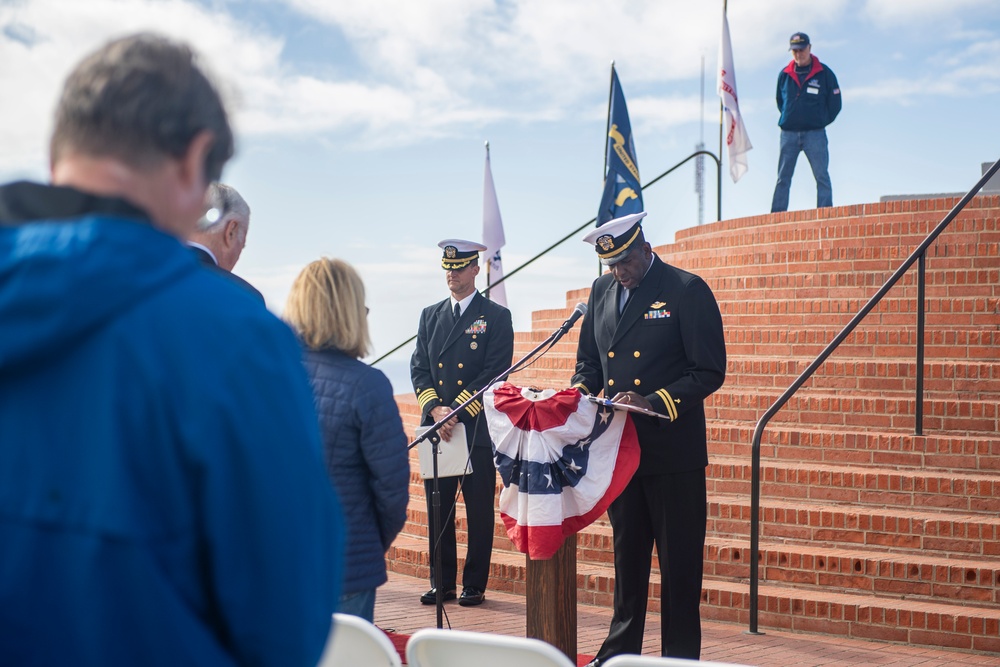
x=162, y=496
x=809, y=99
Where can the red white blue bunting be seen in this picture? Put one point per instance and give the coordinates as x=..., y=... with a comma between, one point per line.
x=562, y=461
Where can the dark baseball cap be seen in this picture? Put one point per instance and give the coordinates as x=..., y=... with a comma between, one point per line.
x=798, y=41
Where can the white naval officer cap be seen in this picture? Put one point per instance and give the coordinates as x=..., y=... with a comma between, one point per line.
x=458, y=254
x=614, y=238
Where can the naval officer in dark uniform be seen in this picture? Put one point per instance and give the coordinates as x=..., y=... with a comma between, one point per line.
x=653, y=338
x=463, y=342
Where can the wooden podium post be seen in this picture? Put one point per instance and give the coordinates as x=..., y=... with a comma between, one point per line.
x=551, y=598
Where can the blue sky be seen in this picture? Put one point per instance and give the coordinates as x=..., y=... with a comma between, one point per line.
x=361, y=124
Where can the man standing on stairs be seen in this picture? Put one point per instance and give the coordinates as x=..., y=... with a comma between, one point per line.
x=652, y=338
x=809, y=99
x=463, y=342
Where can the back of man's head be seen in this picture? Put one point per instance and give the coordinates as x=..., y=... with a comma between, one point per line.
x=224, y=228
x=140, y=99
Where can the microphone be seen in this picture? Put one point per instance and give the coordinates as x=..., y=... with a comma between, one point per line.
x=578, y=312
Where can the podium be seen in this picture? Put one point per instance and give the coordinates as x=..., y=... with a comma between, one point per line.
x=550, y=598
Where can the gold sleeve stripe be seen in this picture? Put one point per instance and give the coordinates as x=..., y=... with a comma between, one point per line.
x=425, y=397
x=474, y=408
x=463, y=397
x=582, y=386
x=668, y=402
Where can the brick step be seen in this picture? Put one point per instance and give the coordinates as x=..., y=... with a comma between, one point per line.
x=806, y=342
x=899, y=232
x=852, y=284
x=854, y=569
x=916, y=623
x=910, y=576
x=932, y=451
x=947, y=367
x=949, y=343
x=858, y=221
x=974, y=379
x=810, y=523
x=817, y=409
x=879, y=262
x=889, y=487
x=934, y=533
x=784, y=308
x=781, y=607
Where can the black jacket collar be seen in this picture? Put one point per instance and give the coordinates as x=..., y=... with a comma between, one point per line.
x=25, y=201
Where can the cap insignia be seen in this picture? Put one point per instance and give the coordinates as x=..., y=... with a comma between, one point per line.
x=607, y=242
x=450, y=251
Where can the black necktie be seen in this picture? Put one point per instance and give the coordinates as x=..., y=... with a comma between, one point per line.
x=622, y=298
x=458, y=311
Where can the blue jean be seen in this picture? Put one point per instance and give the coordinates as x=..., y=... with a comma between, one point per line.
x=813, y=143
x=361, y=604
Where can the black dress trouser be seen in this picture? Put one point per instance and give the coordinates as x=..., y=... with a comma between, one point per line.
x=478, y=492
x=670, y=511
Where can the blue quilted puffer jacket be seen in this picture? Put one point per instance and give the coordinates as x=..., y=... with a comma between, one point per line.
x=365, y=450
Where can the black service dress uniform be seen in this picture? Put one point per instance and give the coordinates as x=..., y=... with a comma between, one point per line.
x=452, y=361
x=668, y=346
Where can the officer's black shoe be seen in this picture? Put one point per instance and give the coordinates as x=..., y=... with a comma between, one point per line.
x=471, y=597
x=430, y=597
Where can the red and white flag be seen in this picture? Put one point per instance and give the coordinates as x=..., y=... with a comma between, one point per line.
x=734, y=131
x=493, y=237
x=562, y=460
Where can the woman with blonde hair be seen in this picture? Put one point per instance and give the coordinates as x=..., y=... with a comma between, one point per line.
x=363, y=440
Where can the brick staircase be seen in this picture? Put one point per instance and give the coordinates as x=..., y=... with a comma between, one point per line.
x=867, y=530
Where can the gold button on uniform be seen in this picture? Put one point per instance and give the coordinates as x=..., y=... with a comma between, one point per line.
x=440, y=365
x=611, y=354
x=636, y=354
x=440, y=382
x=611, y=383
x=461, y=366
x=459, y=383
x=637, y=383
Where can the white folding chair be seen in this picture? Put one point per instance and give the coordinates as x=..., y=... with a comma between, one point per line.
x=457, y=648
x=649, y=661
x=355, y=641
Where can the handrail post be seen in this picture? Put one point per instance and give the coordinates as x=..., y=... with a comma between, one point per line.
x=918, y=425
x=754, y=529
x=718, y=189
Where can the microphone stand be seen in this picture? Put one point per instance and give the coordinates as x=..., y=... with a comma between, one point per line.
x=432, y=432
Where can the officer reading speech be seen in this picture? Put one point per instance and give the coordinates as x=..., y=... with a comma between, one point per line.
x=652, y=338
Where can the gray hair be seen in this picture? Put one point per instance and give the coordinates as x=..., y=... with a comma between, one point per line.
x=226, y=202
x=140, y=99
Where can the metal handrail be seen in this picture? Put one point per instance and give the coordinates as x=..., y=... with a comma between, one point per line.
x=917, y=255
x=718, y=169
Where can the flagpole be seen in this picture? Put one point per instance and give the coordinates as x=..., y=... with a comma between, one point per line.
x=489, y=261
x=607, y=125
x=721, y=122
x=607, y=130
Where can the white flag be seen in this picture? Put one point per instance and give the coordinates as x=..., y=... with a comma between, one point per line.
x=493, y=236
x=734, y=131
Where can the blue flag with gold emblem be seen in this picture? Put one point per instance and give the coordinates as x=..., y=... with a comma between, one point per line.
x=622, y=191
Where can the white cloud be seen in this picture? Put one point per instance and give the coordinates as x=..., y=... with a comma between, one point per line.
x=895, y=12
x=437, y=68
